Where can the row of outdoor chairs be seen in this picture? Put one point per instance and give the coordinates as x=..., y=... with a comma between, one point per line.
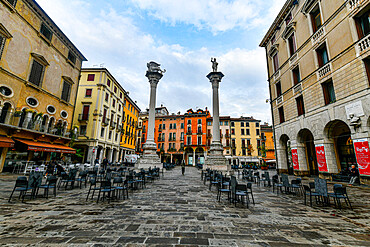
x=31, y=186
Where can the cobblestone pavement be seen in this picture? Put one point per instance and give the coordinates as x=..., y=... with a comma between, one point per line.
x=180, y=211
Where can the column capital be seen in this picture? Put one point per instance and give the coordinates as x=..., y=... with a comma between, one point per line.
x=153, y=77
x=215, y=76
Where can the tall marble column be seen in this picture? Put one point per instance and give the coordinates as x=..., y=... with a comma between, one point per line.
x=150, y=158
x=216, y=160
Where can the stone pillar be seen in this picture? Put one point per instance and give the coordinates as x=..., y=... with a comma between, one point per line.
x=216, y=160
x=282, y=164
x=110, y=153
x=150, y=158
x=90, y=155
x=193, y=157
x=27, y=119
x=302, y=161
x=330, y=158
x=171, y=159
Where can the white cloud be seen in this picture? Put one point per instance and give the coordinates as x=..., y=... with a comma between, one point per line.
x=112, y=38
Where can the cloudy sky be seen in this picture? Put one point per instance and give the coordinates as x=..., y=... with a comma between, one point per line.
x=181, y=35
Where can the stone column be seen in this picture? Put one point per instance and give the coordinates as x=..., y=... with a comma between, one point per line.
x=194, y=157
x=216, y=160
x=150, y=158
x=282, y=164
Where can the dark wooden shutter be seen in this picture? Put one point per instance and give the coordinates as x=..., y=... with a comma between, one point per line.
x=66, y=91
x=36, y=73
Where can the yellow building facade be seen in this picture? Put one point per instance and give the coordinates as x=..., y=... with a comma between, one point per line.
x=39, y=70
x=130, y=126
x=245, y=140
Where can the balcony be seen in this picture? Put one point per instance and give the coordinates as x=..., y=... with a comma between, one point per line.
x=172, y=139
x=105, y=121
x=160, y=139
x=171, y=150
x=113, y=124
x=277, y=75
x=316, y=37
x=279, y=99
x=200, y=132
x=297, y=88
x=324, y=71
x=354, y=4
x=363, y=45
x=293, y=59
x=83, y=117
x=188, y=133
x=160, y=130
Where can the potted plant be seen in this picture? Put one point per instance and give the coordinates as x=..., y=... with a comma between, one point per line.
x=264, y=166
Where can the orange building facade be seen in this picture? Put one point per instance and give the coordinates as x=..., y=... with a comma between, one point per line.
x=181, y=136
x=268, y=147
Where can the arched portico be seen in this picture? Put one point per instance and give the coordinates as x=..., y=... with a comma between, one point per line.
x=283, y=153
x=306, y=153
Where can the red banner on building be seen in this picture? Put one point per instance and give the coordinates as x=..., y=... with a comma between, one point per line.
x=295, y=159
x=321, y=159
x=362, y=156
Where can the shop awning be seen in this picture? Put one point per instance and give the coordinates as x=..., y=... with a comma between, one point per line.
x=6, y=142
x=46, y=147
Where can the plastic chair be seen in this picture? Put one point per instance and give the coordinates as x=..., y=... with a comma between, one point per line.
x=340, y=192
x=21, y=185
x=92, y=188
x=51, y=183
x=310, y=193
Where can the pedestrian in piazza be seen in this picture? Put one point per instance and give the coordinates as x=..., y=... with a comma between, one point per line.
x=354, y=174
x=105, y=163
x=183, y=167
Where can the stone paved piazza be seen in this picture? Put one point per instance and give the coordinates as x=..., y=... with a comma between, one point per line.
x=180, y=211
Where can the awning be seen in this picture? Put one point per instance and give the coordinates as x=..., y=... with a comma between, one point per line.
x=46, y=147
x=270, y=161
x=6, y=142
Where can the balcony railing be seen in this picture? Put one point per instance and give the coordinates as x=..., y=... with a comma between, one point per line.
x=364, y=44
x=316, y=37
x=188, y=132
x=297, y=88
x=279, y=100
x=353, y=4
x=172, y=139
x=324, y=71
x=160, y=130
x=83, y=117
x=200, y=132
x=160, y=139
x=105, y=121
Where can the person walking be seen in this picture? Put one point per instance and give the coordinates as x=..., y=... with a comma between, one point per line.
x=354, y=174
x=183, y=167
x=105, y=163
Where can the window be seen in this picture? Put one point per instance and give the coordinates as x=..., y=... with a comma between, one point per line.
x=221, y=123
x=292, y=45
x=102, y=132
x=114, y=103
x=328, y=90
x=88, y=93
x=170, y=126
x=296, y=75
x=242, y=132
x=110, y=135
x=316, y=19
x=115, y=89
x=182, y=125
x=300, y=105
x=85, y=112
x=164, y=126
x=281, y=115
x=244, y=152
x=273, y=38
x=174, y=125
x=257, y=132
x=66, y=91
x=232, y=124
x=246, y=124
x=90, y=77
x=226, y=123
x=71, y=57
x=209, y=123
x=37, y=73
x=242, y=124
x=322, y=55
x=367, y=68
x=182, y=136
x=199, y=140
x=119, y=107
x=248, y=132
x=288, y=18
x=108, y=83
x=106, y=97
x=275, y=60
x=189, y=121
x=233, y=131
x=120, y=95
x=83, y=130
x=12, y=2
x=188, y=141
x=174, y=137
x=2, y=44
x=278, y=89
x=45, y=31
x=64, y=114
x=199, y=121
x=257, y=124
x=363, y=24
x=189, y=129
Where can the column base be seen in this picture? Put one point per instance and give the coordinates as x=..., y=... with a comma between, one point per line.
x=216, y=160
x=149, y=159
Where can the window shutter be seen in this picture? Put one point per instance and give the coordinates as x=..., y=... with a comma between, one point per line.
x=2, y=43
x=66, y=91
x=36, y=73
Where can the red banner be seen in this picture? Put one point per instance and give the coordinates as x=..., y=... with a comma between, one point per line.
x=362, y=156
x=321, y=159
x=295, y=159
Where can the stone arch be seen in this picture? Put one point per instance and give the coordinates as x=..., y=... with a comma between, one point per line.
x=306, y=152
x=51, y=123
x=283, y=154
x=5, y=113
x=338, y=133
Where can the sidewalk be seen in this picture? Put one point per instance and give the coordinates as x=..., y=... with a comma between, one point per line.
x=180, y=211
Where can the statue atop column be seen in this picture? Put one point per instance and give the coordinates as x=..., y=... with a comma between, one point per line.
x=214, y=64
x=155, y=68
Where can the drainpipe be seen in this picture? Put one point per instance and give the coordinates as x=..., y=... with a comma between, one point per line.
x=272, y=112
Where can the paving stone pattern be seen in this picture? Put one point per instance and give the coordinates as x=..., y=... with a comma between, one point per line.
x=179, y=211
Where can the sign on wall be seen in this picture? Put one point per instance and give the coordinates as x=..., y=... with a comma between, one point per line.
x=362, y=155
x=295, y=159
x=354, y=109
x=321, y=159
